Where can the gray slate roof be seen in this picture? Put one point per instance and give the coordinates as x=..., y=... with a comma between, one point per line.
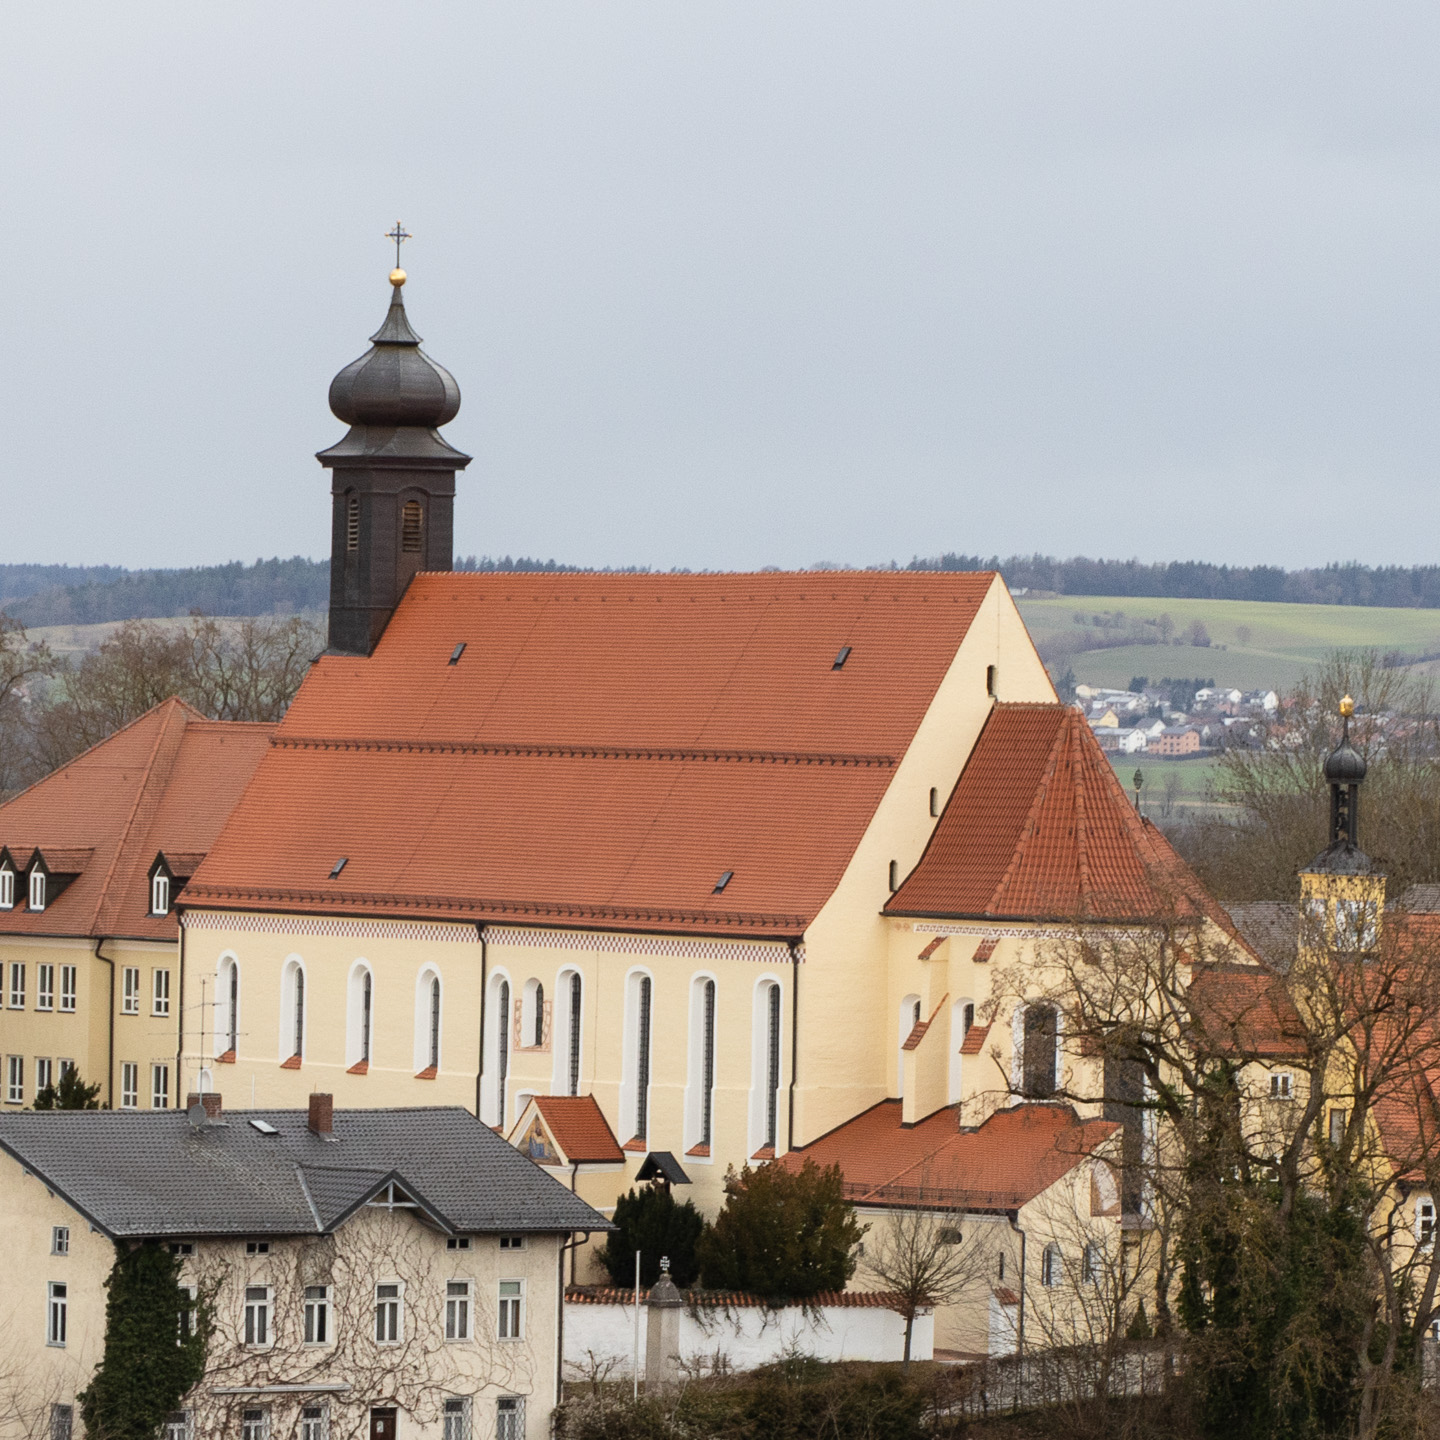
x=152, y=1173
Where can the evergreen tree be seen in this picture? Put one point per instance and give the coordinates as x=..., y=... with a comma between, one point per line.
x=72, y=1093
x=651, y=1221
x=155, y=1342
x=784, y=1234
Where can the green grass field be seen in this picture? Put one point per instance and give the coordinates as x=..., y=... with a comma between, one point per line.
x=1253, y=643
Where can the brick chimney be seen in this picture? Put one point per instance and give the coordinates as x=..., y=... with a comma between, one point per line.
x=209, y=1100
x=322, y=1112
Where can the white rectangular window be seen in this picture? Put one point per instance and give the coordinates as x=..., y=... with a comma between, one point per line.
x=17, y=986
x=186, y=1327
x=59, y=1315
x=257, y=1247
x=457, y=1419
x=510, y=1418
x=66, y=1066
x=62, y=1422
x=457, y=1310
x=255, y=1425
x=177, y=1426
x=257, y=1316
x=130, y=990
x=511, y=1314
x=512, y=1242
x=7, y=888
x=159, y=1087
x=44, y=1073
x=387, y=1315
x=15, y=1080
x=313, y=1422
x=129, y=1086
x=68, y=975
x=317, y=1314
x=160, y=992
x=59, y=1239
x=159, y=894
x=1425, y=1222
x=1280, y=1086
x=458, y=1242
x=37, y=889
x=44, y=987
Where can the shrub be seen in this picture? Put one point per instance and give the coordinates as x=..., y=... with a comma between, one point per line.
x=654, y=1223
x=72, y=1093
x=784, y=1234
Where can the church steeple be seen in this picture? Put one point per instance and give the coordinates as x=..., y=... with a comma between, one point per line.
x=392, y=478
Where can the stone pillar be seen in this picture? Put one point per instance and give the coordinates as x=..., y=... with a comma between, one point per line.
x=662, y=1333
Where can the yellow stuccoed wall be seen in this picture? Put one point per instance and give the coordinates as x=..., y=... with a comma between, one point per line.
x=847, y=1001
x=143, y=1039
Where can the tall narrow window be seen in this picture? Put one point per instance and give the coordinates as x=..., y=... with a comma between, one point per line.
x=17, y=985
x=509, y=1418
x=159, y=894
x=68, y=976
x=366, y=988
x=44, y=987
x=642, y=1062
x=411, y=531
x=387, y=1314
x=59, y=1321
x=457, y=1418
x=1038, y=1077
x=511, y=1314
x=299, y=1012
x=44, y=1073
x=772, y=1068
x=538, y=1037
x=159, y=1087
x=232, y=1018
x=7, y=888
x=62, y=1422
x=934, y=801
x=575, y=998
x=352, y=523
x=130, y=990
x=15, y=1080
x=317, y=1314
x=457, y=1310
x=313, y=1424
x=160, y=992
x=129, y=1086
x=435, y=1023
x=707, y=1065
x=502, y=1035
x=37, y=889
x=257, y=1315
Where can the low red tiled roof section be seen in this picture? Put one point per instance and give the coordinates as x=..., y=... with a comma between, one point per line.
x=1245, y=1011
x=580, y=1129
x=166, y=782
x=1015, y=1155
x=603, y=751
x=974, y=1041
x=1039, y=828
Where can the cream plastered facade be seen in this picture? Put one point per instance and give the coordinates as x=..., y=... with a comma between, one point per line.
x=38, y=1027
x=347, y=1374
x=837, y=994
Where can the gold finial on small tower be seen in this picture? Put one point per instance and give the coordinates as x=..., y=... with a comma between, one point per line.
x=397, y=277
x=399, y=235
x=1347, y=707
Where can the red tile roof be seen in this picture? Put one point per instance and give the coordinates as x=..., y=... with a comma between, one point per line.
x=166, y=782
x=580, y=1129
x=974, y=1042
x=1006, y=1162
x=1039, y=828
x=1245, y=1010
x=604, y=750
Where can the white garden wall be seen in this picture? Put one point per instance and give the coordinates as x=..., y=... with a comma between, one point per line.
x=601, y=1332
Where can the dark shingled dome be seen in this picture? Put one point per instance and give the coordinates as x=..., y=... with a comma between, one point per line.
x=1344, y=765
x=395, y=383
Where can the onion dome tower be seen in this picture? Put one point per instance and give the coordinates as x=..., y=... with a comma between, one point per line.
x=1344, y=772
x=392, y=478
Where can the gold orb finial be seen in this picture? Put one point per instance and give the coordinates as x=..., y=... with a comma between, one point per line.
x=397, y=278
x=1347, y=707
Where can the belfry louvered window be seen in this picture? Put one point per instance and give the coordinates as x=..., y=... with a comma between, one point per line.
x=352, y=523
x=411, y=534
x=642, y=1065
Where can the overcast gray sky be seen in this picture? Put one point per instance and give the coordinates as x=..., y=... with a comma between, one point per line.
x=733, y=284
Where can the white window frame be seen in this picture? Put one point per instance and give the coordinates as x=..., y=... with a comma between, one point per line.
x=259, y=1328
x=1050, y=1266
x=45, y=986
x=130, y=1085
x=459, y=1303
x=510, y=1309
x=1282, y=1085
x=510, y=1417
x=159, y=893
x=393, y=1332
x=16, y=995
x=15, y=1080
x=69, y=986
x=767, y=1061
x=59, y=1239
x=159, y=1086
x=512, y=1242
x=44, y=1073
x=7, y=888
x=429, y=1027
x=160, y=992
x=700, y=1096
x=1424, y=1222
x=255, y=1422
x=455, y=1418
x=57, y=1314
x=316, y=1425
x=129, y=989
x=176, y=1426
x=637, y=1110
x=318, y=1330
x=458, y=1242
x=37, y=890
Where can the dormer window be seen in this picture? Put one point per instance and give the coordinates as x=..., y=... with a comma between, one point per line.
x=37, y=889
x=159, y=893
x=7, y=888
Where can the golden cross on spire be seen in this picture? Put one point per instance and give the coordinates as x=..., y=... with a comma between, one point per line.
x=399, y=235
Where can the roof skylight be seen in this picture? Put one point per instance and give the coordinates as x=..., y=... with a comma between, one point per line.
x=723, y=881
x=456, y=653
x=264, y=1127
x=841, y=658
x=340, y=864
